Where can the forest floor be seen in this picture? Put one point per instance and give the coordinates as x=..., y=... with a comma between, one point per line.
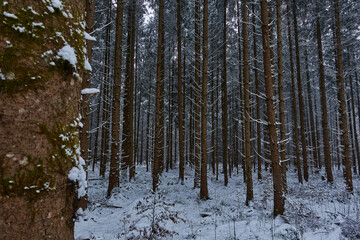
x=314, y=210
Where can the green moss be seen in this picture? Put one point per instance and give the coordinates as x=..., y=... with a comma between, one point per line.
x=30, y=183
x=39, y=179
x=65, y=144
x=22, y=62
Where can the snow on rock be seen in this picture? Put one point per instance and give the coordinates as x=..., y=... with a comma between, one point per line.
x=90, y=91
x=68, y=53
x=89, y=37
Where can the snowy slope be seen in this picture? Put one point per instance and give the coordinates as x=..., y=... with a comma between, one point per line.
x=314, y=210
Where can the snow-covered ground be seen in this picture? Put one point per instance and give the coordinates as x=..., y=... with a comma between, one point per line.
x=314, y=210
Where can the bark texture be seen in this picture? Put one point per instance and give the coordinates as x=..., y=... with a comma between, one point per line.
x=224, y=104
x=324, y=117
x=345, y=142
x=180, y=92
x=281, y=95
x=36, y=116
x=300, y=95
x=279, y=200
x=249, y=183
x=115, y=134
x=159, y=103
x=203, y=179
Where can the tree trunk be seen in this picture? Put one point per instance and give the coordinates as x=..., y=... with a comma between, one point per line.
x=224, y=102
x=311, y=115
x=159, y=105
x=40, y=121
x=105, y=104
x=128, y=130
x=203, y=181
x=281, y=96
x=180, y=92
x=324, y=111
x=300, y=95
x=279, y=200
x=85, y=109
x=294, y=106
x=115, y=129
x=258, y=125
x=249, y=183
x=345, y=142
x=197, y=95
x=355, y=135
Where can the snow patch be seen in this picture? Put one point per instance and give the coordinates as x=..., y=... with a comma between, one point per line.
x=2, y=76
x=32, y=10
x=89, y=37
x=90, y=91
x=87, y=65
x=68, y=53
x=38, y=24
x=51, y=9
x=57, y=4
x=18, y=28
x=10, y=15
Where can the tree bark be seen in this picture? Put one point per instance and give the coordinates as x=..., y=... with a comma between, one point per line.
x=224, y=102
x=159, y=105
x=128, y=130
x=281, y=96
x=180, y=92
x=203, y=181
x=311, y=115
x=300, y=95
x=258, y=125
x=249, y=183
x=294, y=106
x=324, y=117
x=85, y=109
x=279, y=200
x=105, y=105
x=345, y=142
x=40, y=121
x=115, y=129
x=197, y=95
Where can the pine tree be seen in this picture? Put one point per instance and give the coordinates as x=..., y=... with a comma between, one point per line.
x=249, y=183
x=345, y=142
x=115, y=133
x=203, y=180
x=324, y=111
x=180, y=93
x=300, y=94
x=281, y=95
x=197, y=90
x=224, y=102
x=279, y=201
x=159, y=105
